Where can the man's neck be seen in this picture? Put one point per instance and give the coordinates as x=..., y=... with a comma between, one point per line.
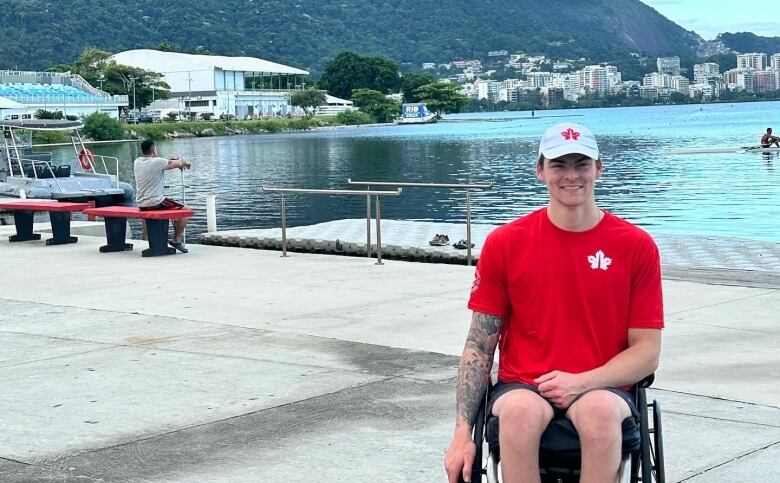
x=578, y=218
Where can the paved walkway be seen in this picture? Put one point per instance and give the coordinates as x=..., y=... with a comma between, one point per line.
x=231, y=365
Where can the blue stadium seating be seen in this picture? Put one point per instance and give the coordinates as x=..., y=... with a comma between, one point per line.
x=54, y=93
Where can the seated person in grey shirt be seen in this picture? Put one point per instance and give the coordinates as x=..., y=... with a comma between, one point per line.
x=149, y=172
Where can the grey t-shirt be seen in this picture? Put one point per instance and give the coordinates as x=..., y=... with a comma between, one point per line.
x=149, y=181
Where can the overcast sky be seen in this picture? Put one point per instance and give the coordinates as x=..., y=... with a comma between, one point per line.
x=709, y=18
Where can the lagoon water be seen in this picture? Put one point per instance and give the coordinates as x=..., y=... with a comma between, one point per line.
x=724, y=195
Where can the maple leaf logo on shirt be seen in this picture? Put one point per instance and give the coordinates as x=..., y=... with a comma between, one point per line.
x=599, y=261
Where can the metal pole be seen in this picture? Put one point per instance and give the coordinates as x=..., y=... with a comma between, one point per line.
x=184, y=202
x=368, y=224
x=468, y=228
x=284, y=230
x=378, y=232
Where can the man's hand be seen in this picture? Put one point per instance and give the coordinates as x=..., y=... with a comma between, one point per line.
x=460, y=458
x=561, y=388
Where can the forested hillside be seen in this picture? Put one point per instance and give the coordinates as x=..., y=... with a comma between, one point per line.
x=745, y=42
x=35, y=34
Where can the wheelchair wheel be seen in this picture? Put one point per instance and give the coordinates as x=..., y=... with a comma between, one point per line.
x=658, y=444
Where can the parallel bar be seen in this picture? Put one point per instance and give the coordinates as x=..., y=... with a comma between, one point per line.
x=331, y=192
x=378, y=232
x=284, y=230
x=366, y=193
x=368, y=225
x=468, y=228
x=483, y=186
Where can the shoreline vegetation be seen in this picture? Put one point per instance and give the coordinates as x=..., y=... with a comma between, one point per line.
x=102, y=128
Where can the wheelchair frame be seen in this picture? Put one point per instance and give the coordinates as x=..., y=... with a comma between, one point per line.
x=646, y=463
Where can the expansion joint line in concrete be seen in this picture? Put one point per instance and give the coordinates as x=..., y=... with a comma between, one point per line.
x=736, y=458
x=201, y=425
x=716, y=398
x=678, y=413
x=740, y=299
x=3, y=458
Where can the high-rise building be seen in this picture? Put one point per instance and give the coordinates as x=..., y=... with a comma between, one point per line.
x=764, y=80
x=702, y=72
x=680, y=84
x=740, y=78
x=669, y=65
x=658, y=79
x=755, y=61
x=776, y=61
x=541, y=79
x=594, y=80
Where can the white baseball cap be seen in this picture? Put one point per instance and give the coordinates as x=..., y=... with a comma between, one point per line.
x=568, y=138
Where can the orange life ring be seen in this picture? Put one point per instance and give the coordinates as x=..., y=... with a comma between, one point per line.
x=86, y=158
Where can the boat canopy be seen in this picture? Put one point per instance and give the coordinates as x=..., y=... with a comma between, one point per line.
x=43, y=124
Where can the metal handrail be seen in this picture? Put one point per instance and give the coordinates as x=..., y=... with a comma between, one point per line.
x=103, y=160
x=467, y=187
x=367, y=193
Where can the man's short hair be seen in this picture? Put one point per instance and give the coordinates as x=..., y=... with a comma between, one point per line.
x=769, y=129
x=146, y=147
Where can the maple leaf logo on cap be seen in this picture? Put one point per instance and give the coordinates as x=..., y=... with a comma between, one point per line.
x=570, y=134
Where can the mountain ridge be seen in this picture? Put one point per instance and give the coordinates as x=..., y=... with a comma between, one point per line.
x=306, y=33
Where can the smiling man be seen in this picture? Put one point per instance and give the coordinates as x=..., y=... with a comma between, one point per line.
x=572, y=296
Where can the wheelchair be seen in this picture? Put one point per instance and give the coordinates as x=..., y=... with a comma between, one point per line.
x=559, y=451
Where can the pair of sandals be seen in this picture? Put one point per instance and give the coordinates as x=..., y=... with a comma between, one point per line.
x=442, y=240
x=462, y=245
x=439, y=240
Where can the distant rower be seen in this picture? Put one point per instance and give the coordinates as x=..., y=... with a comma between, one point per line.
x=767, y=139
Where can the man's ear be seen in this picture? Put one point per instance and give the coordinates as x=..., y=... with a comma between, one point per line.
x=540, y=171
x=599, y=168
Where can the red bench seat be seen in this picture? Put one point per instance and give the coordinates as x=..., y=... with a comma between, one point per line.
x=115, y=218
x=134, y=212
x=59, y=214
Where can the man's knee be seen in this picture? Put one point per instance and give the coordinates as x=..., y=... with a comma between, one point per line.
x=523, y=415
x=598, y=416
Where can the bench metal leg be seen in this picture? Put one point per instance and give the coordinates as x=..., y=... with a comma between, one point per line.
x=60, y=228
x=115, y=236
x=157, y=234
x=24, y=227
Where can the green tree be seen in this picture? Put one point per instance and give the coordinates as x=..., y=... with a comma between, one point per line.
x=92, y=63
x=44, y=114
x=309, y=99
x=376, y=105
x=442, y=97
x=349, y=71
x=411, y=82
x=102, y=127
x=97, y=67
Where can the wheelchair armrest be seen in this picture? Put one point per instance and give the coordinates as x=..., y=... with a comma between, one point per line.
x=646, y=382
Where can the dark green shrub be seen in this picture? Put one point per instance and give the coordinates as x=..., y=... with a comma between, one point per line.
x=351, y=118
x=102, y=127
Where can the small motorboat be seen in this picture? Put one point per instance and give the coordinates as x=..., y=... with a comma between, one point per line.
x=28, y=174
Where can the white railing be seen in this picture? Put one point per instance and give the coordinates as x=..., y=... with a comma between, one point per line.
x=55, y=99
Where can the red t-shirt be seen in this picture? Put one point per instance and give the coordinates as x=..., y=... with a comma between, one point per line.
x=567, y=298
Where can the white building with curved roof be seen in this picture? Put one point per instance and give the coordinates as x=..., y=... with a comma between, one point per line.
x=238, y=86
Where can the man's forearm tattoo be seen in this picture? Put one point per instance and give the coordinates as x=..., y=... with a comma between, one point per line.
x=475, y=365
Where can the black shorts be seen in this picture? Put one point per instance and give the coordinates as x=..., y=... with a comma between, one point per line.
x=167, y=204
x=502, y=388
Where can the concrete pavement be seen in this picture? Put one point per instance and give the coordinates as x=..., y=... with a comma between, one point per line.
x=238, y=365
